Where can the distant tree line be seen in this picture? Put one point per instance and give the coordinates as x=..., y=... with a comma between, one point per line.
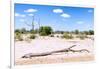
x=44, y=31
x=47, y=30
x=89, y=32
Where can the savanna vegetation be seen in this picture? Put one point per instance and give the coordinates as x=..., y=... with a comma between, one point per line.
x=48, y=31
x=45, y=30
x=67, y=36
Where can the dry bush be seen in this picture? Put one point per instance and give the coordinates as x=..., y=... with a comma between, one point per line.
x=18, y=36
x=32, y=36
x=82, y=37
x=67, y=36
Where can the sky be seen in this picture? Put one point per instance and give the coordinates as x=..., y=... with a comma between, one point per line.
x=60, y=18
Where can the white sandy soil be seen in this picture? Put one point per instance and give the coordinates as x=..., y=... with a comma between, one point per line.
x=48, y=44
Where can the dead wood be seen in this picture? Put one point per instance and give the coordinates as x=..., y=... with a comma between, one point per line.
x=30, y=55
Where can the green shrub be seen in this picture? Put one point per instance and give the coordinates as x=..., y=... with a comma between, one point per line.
x=85, y=32
x=45, y=30
x=52, y=35
x=67, y=36
x=57, y=36
x=82, y=37
x=76, y=31
x=21, y=31
x=18, y=36
x=32, y=31
x=91, y=32
x=20, y=39
x=43, y=34
x=32, y=36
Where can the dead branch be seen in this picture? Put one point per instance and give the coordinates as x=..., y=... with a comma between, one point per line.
x=30, y=55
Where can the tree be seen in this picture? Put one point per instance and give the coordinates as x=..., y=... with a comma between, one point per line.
x=86, y=32
x=45, y=30
x=23, y=31
x=34, y=31
x=17, y=31
x=91, y=32
x=76, y=31
x=59, y=32
x=18, y=35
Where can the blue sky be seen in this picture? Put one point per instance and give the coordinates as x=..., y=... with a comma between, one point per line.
x=62, y=18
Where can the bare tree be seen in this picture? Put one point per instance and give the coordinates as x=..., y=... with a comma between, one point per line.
x=32, y=24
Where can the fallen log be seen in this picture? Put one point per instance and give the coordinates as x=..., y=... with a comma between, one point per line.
x=30, y=55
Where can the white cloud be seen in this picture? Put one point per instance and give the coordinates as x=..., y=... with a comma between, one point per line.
x=65, y=15
x=23, y=15
x=22, y=20
x=31, y=10
x=80, y=22
x=19, y=15
x=90, y=11
x=58, y=11
x=31, y=14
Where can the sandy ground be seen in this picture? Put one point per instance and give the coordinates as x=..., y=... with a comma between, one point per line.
x=47, y=44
